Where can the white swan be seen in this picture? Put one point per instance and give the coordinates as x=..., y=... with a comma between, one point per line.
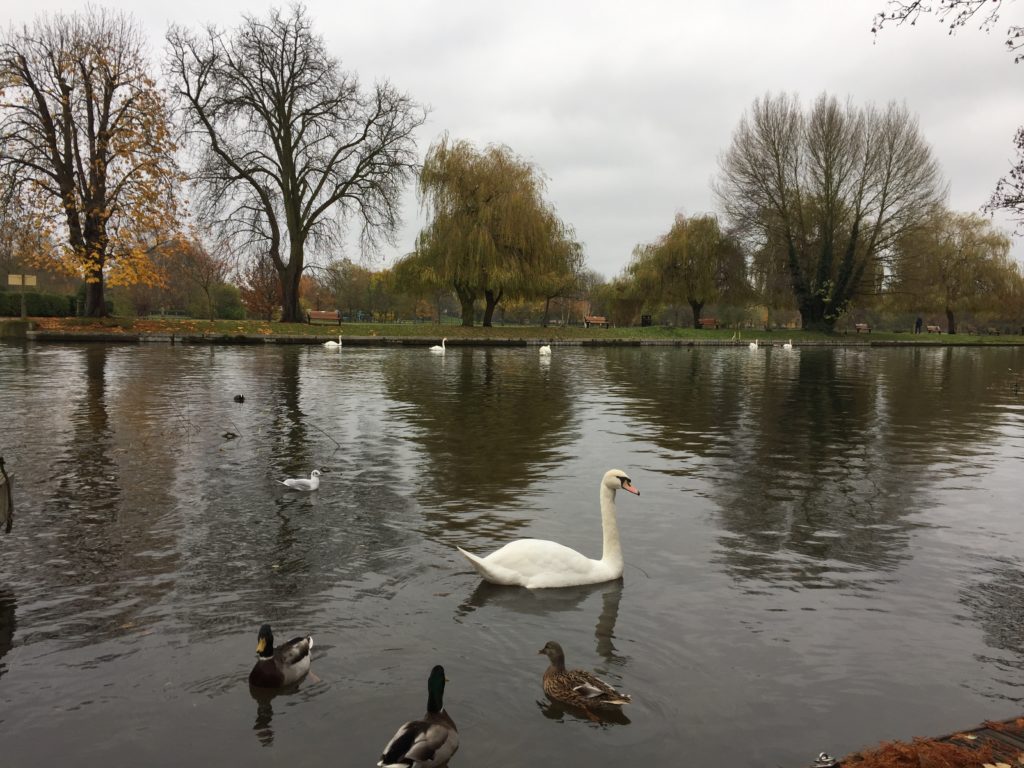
x=537, y=564
x=302, y=484
x=753, y=344
x=545, y=349
x=333, y=344
x=788, y=344
x=439, y=347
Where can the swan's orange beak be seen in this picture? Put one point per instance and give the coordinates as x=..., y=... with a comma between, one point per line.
x=628, y=486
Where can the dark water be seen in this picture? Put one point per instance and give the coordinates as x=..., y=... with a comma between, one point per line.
x=827, y=550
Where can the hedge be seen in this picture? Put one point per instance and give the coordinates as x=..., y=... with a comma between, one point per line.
x=36, y=304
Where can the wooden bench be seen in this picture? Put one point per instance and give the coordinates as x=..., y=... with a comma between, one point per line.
x=859, y=327
x=708, y=322
x=327, y=315
x=933, y=329
x=598, y=320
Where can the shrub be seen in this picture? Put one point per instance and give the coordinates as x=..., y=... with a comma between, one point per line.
x=36, y=304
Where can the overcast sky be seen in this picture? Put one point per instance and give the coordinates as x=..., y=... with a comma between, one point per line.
x=627, y=107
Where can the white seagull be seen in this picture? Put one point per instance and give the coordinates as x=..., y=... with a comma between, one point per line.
x=303, y=484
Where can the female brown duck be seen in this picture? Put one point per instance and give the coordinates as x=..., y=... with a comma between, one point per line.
x=577, y=687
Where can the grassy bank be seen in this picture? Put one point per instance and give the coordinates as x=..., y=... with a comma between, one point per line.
x=182, y=328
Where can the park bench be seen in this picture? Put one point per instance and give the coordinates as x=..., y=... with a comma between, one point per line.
x=326, y=315
x=598, y=320
x=708, y=322
x=862, y=327
x=933, y=329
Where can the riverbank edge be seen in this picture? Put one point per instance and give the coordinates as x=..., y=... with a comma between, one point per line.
x=419, y=341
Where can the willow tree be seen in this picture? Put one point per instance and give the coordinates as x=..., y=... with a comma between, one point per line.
x=87, y=136
x=491, y=234
x=830, y=191
x=957, y=261
x=291, y=146
x=694, y=263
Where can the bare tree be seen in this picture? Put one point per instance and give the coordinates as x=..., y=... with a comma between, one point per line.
x=290, y=144
x=86, y=133
x=956, y=14
x=829, y=191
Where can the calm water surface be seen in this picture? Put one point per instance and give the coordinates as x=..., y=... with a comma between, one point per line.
x=827, y=550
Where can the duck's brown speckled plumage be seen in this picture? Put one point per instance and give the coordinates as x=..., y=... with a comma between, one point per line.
x=577, y=687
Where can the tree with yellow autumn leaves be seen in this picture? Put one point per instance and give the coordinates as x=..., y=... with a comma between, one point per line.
x=86, y=136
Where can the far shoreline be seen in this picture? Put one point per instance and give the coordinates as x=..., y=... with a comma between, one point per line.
x=418, y=335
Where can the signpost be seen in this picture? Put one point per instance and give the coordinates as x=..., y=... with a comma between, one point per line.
x=22, y=280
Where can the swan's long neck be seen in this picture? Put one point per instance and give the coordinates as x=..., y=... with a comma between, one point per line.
x=612, y=553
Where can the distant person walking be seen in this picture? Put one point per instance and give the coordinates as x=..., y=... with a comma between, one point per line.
x=917, y=325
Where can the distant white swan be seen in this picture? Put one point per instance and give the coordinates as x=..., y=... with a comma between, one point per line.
x=538, y=564
x=545, y=349
x=439, y=347
x=753, y=344
x=302, y=484
x=333, y=344
x=788, y=344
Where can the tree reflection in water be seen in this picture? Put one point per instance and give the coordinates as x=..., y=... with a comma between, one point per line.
x=817, y=459
x=488, y=423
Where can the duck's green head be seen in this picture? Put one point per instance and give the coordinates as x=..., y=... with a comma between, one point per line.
x=265, y=642
x=435, y=689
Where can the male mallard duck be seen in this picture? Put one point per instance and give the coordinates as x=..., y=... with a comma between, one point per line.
x=575, y=686
x=278, y=667
x=428, y=742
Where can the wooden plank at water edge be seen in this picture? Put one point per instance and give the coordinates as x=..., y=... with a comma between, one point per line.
x=991, y=745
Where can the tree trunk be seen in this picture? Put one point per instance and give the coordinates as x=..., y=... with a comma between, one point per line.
x=95, y=304
x=492, y=302
x=547, y=305
x=950, y=321
x=813, y=315
x=467, y=298
x=696, y=307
